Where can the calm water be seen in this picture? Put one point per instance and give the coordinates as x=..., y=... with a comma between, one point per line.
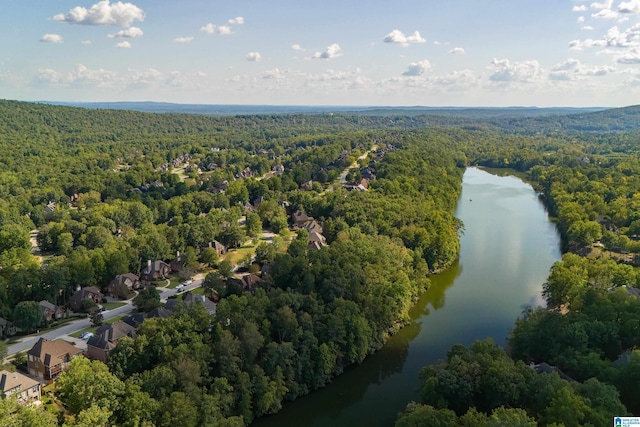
x=508, y=247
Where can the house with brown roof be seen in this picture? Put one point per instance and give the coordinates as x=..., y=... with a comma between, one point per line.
x=15, y=384
x=154, y=271
x=47, y=359
x=50, y=311
x=106, y=338
x=7, y=329
x=178, y=263
x=300, y=217
x=313, y=226
x=189, y=299
x=90, y=292
x=219, y=247
x=122, y=285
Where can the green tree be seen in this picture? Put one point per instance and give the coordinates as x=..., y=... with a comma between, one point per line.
x=14, y=414
x=225, y=269
x=265, y=253
x=94, y=416
x=253, y=224
x=209, y=256
x=87, y=383
x=214, y=284
x=27, y=316
x=147, y=299
x=178, y=409
x=416, y=415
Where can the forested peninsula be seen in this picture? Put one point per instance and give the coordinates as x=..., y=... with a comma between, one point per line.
x=331, y=226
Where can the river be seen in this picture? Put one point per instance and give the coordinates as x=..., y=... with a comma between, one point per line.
x=507, y=248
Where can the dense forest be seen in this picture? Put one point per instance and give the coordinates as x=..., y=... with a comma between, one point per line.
x=104, y=198
x=105, y=191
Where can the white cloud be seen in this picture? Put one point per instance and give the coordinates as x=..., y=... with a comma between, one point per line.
x=103, y=13
x=396, y=36
x=417, y=68
x=239, y=20
x=631, y=7
x=439, y=43
x=457, y=80
x=80, y=76
x=572, y=69
x=51, y=38
x=224, y=30
x=123, y=45
x=143, y=78
x=521, y=72
x=181, y=40
x=457, y=51
x=630, y=57
x=209, y=28
x=274, y=74
x=587, y=28
x=606, y=4
x=580, y=19
x=86, y=42
x=128, y=33
x=581, y=8
x=606, y=14
x=330, y=52
x=254, y=56
x=296, y=47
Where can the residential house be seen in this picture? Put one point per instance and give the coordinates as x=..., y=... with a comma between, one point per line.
x=314, y=236
x=47, y=359
x=219, y=247
x=51, y=312
x=154, y=271
x=189, y=299
x=250, y=282
x=313, y=226
x=7, y=329
x=106, y=338
x=90, y=292
x=161, y=312
x=300, y=217
x=316, y=241
x=134, y=319
x=15, y=384
x=545, y=368
x=178, y=263
x=122, y=284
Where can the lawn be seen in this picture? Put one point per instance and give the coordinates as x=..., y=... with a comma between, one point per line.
x=112, y=305
x=234, y=256
x=173, y=282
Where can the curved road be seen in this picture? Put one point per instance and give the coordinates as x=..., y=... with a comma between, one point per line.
x=27, y=342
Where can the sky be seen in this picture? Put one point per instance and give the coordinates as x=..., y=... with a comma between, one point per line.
x=564, y=53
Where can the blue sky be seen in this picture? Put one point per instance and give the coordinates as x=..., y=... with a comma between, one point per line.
x=279, y=52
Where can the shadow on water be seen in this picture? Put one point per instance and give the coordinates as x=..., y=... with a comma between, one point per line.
x=323, y=407
x=507, y=250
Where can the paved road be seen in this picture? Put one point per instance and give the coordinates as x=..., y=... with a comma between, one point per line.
x=65, y=331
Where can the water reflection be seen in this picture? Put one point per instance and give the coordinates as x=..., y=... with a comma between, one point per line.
x=507, y=249
x=435, y=296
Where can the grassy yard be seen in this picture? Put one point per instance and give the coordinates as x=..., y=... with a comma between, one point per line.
x=234, y=256
x=112, y=305
x=173, y=282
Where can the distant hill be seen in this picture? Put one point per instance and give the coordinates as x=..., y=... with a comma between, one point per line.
x=611, y=120
x=522, y=120
x=234, y=110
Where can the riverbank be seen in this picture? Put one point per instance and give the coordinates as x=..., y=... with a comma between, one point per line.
x=507, y=248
